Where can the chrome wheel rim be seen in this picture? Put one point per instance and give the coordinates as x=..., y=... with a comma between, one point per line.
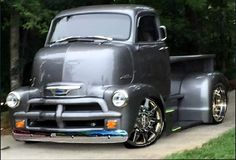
x=219, y=104
x=149, y=124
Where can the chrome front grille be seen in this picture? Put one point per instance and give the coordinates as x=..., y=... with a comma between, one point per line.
x=42, y=107
x=66, y=115
x=82, y=107
x=66, y=107
x=51, y=115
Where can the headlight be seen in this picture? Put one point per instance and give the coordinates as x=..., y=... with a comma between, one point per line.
x=13, y=100
x=120, y=98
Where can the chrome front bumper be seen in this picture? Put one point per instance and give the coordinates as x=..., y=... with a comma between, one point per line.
x=96, y=136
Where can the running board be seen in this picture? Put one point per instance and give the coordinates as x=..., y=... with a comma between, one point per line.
x=171, y=112
x=170, y=119
x=172, y=123
x=185, y=124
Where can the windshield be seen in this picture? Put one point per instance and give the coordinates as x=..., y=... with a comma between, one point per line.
x=115, y=26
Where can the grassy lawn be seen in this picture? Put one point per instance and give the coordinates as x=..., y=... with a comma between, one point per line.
x=222, y=147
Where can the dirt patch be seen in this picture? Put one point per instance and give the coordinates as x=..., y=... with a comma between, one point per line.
x=5, y=124
x=5, y=131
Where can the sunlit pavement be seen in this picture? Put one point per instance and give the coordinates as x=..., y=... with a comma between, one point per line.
x=186, y=139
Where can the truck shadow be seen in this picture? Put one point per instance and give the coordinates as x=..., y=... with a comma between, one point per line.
x=70, y=146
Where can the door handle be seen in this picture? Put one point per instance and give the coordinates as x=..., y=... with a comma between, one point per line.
x=162, y=48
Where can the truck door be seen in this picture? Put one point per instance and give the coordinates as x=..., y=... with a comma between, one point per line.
x=153, y=56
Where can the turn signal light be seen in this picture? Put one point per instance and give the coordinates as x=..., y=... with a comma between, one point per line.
x=111, y=124
x=20, y=124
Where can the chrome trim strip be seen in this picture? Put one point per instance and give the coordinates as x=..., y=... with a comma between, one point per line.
x=175, y=129
x=165, y=33
x=64, y=87
x=62, y=90
x=169, y=110
x=163, y=48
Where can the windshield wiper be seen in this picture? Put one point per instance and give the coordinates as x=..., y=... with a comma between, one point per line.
x=100, y=37
x=82, y=38
x=78, y=38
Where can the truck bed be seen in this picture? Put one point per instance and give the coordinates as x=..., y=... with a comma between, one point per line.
x=182, y=66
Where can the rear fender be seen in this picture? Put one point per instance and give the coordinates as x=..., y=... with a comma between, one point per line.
x=197, y=89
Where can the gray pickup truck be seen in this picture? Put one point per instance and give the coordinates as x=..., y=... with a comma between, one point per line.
x=105, y=76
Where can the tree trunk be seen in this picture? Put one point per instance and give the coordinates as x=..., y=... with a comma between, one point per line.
x=14, y=51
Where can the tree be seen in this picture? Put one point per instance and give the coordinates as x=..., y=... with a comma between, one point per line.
x=23, y=15
x=14, y=50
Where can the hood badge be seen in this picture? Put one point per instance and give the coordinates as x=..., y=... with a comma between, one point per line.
x=61, y=90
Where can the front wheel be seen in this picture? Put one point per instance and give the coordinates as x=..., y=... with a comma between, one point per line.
x=148, y=127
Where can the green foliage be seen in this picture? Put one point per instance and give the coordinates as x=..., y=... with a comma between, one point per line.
x=222, y=147
x=194, y=26
x=200, y=27
x=34, y=14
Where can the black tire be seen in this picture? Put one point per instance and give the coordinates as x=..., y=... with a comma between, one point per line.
x=148, y=127
x=219, y=102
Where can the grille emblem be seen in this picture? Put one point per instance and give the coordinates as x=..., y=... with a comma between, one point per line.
x=61, y=90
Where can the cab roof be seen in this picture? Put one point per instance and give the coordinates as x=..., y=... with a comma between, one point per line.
x=115, y=8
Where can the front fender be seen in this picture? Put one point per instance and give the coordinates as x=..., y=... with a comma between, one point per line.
x=25, y=93
x=137, y=93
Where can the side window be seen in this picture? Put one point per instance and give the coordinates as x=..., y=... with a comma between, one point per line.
x=147, y=29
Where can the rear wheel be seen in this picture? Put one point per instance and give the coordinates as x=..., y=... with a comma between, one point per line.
x=148, y=127
x=219, y=103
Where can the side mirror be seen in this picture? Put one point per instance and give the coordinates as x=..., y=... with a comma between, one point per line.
x=163, y=33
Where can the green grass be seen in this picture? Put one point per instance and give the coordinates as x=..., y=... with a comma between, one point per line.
x=222, y=147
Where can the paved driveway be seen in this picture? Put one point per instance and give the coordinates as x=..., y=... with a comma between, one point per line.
x=186, y=139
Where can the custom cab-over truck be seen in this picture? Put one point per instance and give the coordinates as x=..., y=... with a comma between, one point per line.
x=105, y=76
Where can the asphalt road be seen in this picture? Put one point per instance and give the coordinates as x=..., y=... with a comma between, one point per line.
x=186, y=139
